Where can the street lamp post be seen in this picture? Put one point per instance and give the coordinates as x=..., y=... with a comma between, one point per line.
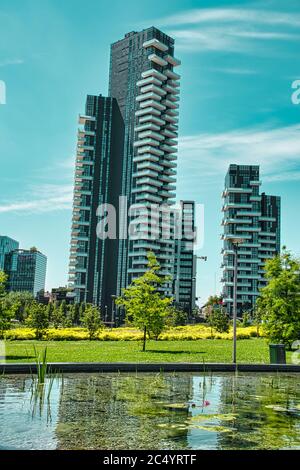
x=113, y=297
x=235, y=242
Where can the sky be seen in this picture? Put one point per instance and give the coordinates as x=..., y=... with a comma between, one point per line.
x=239, y=60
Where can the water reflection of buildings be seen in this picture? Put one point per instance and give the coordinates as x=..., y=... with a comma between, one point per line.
x=123, y=412
x=261, y=405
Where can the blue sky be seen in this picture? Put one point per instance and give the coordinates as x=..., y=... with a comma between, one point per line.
x=239, y=60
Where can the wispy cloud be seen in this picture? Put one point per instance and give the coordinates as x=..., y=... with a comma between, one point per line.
x=233, y=71
x=6, y=62
x=234, y=30
x=229, y=15
x=42, y=198
x=277, y=151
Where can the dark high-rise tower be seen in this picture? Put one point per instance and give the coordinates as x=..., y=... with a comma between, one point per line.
x=143, y=82
x=254, y=218
x=98, y=180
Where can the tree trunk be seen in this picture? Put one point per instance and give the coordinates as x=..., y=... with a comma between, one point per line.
x=144, y=340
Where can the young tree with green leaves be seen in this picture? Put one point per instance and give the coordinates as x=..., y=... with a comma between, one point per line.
x=38, y=319
x=219, y=320
x=145, y=308
x=92, y=320
x=18, y=302
x=279, y=301
x=3, y=280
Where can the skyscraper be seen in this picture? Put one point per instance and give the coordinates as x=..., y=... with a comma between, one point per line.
x=26, y=270
x=127, y=147
x=146, y=88
x=98, y=180
x=7, y=245
x=185, y=259
x=255, y=219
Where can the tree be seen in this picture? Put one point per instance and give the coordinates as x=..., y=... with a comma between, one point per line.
x=18, y=302
x=38, y=319
x=3, y=280
x=57, y=316
x=145, y=307
x=91, y=320
x=177, y=317
x=279, y=301
x=219, y=320
x=214, y=301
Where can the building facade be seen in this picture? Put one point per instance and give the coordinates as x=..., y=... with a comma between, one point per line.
x=26, y=270
x=146, y=87
x=185, y=259
x=7, y=245
x=98, y=180
x=255, y=219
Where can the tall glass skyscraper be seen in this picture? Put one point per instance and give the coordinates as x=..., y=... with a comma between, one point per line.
x=7, y=245
x=254, y=218
x=98, y=180
x=26, y=270
x=146, y=87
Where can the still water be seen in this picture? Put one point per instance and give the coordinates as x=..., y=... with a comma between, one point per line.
x=151, y=411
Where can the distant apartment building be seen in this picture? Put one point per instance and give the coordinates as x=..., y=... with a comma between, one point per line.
x=26, y=270
x=7, y=245
x=254, y=218
x=98, y=180
x=185, y=259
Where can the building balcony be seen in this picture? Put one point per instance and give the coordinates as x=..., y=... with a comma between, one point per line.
x=152, y=104
x=144, y=189
x=143, y=142
x=149, y=149
x=170, y=74
x=148, y=181
x=154, y=73
x=150, y=95
x=169, y=118
x=171, y=90
x=236, y=221
x=169, y=134
x=172, y=60
x=171, y=142
x=151, y=135
x=248, y=213
x=170, y=104
x=149, y=81
x=168, y=163
x=149, y=110
x=268, y=234
x=145, y=157
x=255, y=183
x=171, y=112
x=236, y=205
x=148, y=197
x=149, y=126
x=148, y=164
x=268, y=219
x=168, y=148
x=155, y=43
x=157, y=60
x=84, y=119
x=151, y=118
x=228, y=191
x=153, y=89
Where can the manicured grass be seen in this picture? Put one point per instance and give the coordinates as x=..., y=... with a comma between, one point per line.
x=253, y=350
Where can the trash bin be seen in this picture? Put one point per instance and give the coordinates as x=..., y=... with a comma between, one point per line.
x=277, y=354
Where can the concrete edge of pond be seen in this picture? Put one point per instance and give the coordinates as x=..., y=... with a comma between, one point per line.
x=25, y=368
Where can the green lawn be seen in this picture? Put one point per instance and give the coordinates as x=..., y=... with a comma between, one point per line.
x=248, y=350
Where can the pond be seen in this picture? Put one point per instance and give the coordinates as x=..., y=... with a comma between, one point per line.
x=151, y=411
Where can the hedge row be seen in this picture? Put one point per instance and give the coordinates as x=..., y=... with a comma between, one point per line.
x=184, y=333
